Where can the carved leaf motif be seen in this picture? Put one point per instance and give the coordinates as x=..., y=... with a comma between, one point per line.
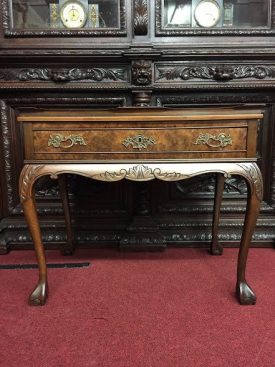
x=140, y=17
x=140, y=172
x=75, y=74
x=184, y=73
x=222, y=72
x=33, y=74
x=113, y=176
x=254, y=173
x=169, y=176
x=28, y=174
x=206, y=185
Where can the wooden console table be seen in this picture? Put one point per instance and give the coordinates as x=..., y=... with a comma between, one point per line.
x=141, y=145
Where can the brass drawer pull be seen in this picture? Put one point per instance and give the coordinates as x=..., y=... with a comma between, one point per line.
x=139, y=142
x=57, y=141
x=214, y=141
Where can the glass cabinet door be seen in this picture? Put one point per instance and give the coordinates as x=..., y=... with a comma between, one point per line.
x=93, y=16
x=203, y=15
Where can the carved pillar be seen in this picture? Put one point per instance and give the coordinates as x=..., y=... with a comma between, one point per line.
x=142, y=98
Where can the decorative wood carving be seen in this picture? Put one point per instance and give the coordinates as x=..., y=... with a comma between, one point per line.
x=111, y=172
x=74, y=74
x=203, y=186
x=140, y=172
x=140, y=17
x=29, y=175
x=75, y=100
x=142, y=98
x=254, y=177
x=7, y=154
x=217, y=72
x=179, y=100
x=142, y=72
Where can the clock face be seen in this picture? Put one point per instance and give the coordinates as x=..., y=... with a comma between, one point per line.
x=73, y=14
x=207, y=13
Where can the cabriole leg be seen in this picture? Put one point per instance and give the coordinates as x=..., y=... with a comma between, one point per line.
x=39, y=295
x=216, y=248
x=244, y=293
x=68, y=249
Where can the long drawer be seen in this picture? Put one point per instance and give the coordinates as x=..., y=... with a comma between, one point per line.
x=118, y=140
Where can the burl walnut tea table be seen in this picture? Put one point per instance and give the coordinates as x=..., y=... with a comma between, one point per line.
x=141, y=144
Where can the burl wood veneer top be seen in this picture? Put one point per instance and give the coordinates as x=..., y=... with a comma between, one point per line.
x=139, y=114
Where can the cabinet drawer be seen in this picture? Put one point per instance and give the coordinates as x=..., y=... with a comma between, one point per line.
x=178, y=140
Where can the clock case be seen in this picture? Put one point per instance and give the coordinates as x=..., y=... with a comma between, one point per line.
x=195, y=3
x=181, y=13
x=94, y=19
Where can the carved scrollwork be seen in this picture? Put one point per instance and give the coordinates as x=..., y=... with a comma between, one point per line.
x=141, y=172
x=7, y=152
x=74, y=74
x=206, y=185
x=142, y=72
x=254, y=175
x=28, y=174
x=210, y=98
x=2, y=75
x=136, y=173
x=140, y=17
x=218, y=73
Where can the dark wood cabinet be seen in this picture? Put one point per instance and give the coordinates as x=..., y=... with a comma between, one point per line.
x=139, y=55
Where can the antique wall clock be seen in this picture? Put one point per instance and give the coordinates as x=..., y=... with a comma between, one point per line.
x=207, y=13
x=196, y=13
x=74, y=14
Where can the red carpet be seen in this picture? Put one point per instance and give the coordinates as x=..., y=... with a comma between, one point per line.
x=171, y=309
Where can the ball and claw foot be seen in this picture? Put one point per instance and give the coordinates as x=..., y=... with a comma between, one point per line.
x=216, y=249
x=245, y=294
x=39, y=295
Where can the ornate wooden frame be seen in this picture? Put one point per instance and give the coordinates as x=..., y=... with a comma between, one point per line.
x=110, y=32
x=160, y=31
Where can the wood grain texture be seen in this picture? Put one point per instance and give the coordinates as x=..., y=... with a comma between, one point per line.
x=107, y=135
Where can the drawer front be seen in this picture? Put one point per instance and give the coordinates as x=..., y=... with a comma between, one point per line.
x=74, y=142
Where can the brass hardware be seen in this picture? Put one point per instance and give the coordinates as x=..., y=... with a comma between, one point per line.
x=214, y=141
x=57, y=140
x=139, y=142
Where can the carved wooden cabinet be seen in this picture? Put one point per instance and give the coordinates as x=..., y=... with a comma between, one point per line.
x=60, y=55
